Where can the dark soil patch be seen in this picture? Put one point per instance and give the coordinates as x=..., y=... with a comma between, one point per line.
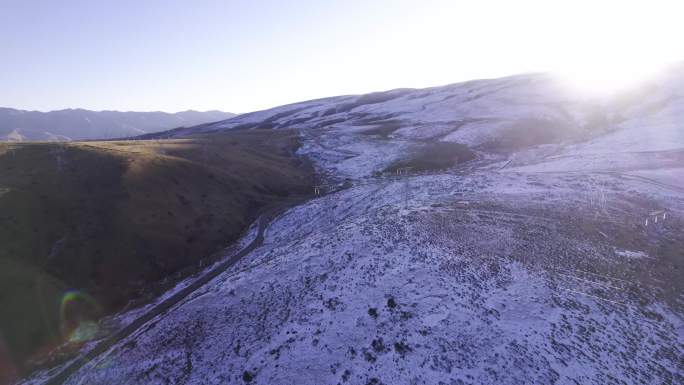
x=383, y=129
x=434, y=156
x=533, y=132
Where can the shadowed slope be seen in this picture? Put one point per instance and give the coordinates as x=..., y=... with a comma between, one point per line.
x=108, y=218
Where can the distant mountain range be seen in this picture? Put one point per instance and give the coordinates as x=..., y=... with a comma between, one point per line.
x=78, y=124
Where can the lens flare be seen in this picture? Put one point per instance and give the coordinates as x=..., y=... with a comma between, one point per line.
x=85, y=331
x=77, y=311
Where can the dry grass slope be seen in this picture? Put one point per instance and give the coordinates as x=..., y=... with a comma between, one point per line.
x=109, y=218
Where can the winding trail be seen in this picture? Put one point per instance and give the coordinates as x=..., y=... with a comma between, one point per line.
x=263, y=221
x=618, y=174
x=648, y=181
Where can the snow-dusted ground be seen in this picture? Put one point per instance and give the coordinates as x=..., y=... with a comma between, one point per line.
x=486, y=278
x=533, y=264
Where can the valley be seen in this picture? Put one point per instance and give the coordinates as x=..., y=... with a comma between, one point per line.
x=123, y=220
x=498, y=231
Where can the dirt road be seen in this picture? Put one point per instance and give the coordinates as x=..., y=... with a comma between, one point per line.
x=168, y=303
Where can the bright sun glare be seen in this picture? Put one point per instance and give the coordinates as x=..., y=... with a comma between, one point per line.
x=607, y=77
x=604, y=47
x=269, y=57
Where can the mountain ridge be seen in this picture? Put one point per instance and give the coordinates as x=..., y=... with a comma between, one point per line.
x=81, y=124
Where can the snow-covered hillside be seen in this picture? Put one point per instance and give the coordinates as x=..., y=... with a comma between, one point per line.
x=533, y=118
x=554, y=257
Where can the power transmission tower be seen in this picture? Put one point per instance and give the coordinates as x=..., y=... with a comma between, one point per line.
x=404, y=171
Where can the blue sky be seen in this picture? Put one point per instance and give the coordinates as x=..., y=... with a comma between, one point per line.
x=241, y=56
